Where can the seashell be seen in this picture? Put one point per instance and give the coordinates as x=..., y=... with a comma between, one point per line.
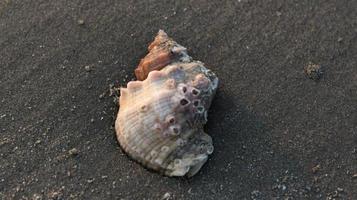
x=161, y=116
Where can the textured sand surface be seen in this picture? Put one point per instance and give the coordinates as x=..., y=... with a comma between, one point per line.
x=277, y=133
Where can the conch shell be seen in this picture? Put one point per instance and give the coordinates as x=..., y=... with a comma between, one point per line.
x=161, y=116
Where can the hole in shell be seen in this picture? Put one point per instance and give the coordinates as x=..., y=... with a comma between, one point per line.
x=166, y=133
x=184, y=89
x=184, y=102
x=209, y=149
x=202, y=148
x=143, y=108
x=175, y=130
x=153, y=153
x=177, y=162
x=196, y=102
x=195, y=91
x=170, y=119
x=165, y=148
x=180, y=142
x=200, y=109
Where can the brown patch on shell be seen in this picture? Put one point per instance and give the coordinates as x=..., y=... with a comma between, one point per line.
x=153, y=61
x=162, y=52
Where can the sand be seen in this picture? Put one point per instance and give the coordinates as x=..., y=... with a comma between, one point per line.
x=277, y=133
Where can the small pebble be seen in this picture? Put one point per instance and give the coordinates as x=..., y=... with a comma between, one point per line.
x=316, y=168
x=101, y=96
x=88, y=68
x=189, y=191
x=313, y=71
x=80, y=22
x=90, y=180
x=283, y=187
x=37, y=196
x=308, y=188
x=166, y=196
x=73, y=152
x=256, y=194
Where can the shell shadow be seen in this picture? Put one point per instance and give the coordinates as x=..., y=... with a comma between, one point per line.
x=246, y=156
x=236, y=132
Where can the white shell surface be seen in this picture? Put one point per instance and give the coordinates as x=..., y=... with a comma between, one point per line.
x=160, y=120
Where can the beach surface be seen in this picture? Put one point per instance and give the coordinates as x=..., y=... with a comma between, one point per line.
x=277, y=133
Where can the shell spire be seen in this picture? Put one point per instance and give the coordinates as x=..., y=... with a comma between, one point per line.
x=161, y=116
x=162, y=51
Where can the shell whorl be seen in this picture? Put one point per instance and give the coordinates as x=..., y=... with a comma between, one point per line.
x=160, y=120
